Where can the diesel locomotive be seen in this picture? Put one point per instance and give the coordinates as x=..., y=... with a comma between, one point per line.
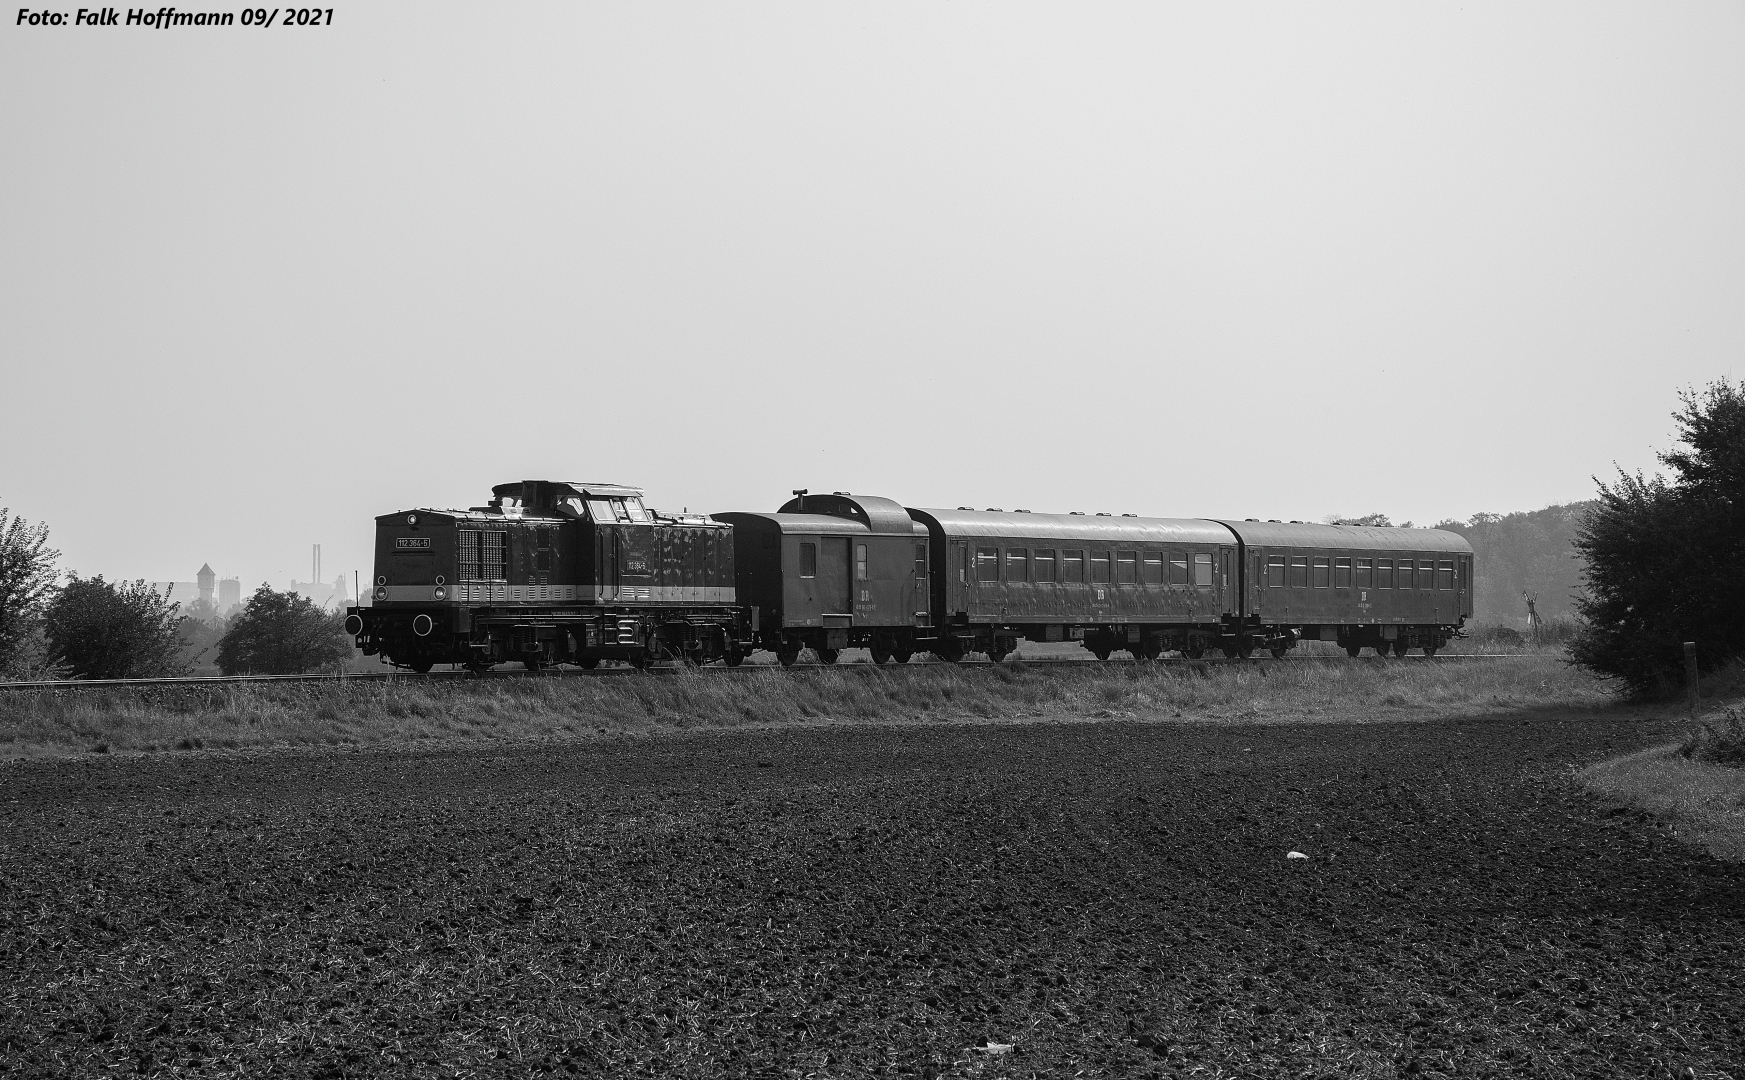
x=551, y=573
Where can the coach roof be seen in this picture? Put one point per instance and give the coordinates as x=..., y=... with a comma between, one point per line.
x=1302, y=534
x=1100, y=529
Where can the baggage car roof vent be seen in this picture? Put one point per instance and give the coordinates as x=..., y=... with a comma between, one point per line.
x=1076, y=513
x=1102, y=514
x=1129, y=515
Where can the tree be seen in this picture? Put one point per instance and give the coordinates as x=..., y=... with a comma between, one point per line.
x=107, y=631
x=281, y=633
x=27, y=581
x=1663, y=554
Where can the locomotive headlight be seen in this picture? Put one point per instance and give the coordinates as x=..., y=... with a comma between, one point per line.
x=411, y=519
x=381, y=594
x=441, y=593
x=354, y=625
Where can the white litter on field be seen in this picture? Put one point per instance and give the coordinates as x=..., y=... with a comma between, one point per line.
x=994, y=1048
x=1295, y=855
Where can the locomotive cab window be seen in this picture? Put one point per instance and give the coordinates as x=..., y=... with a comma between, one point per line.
x=1126, y=568
x=1099, y=568
x=1203, y=569
x=1044, y=564
x=1151, y=570
x=1017, y=565
x=808, y=560
x=987, y=564
x=1072, y=566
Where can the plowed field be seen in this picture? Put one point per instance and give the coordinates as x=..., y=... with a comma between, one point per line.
x=1041, y=899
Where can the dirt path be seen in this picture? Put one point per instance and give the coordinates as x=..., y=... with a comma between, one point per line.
x=1107, y=897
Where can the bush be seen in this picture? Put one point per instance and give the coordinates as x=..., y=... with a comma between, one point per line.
x=102, y=630
x=27, y=580
x=281, y=633
x=1663, y=555
x=1722, y=741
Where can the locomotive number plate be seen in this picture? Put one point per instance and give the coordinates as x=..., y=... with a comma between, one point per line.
x=412, y=543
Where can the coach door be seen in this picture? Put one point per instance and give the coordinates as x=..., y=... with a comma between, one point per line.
x=835, y=581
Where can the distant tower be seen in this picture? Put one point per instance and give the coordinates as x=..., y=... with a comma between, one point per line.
x=229, y=595
x=204, y=579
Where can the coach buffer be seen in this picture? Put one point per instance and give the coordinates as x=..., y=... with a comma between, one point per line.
x=551, y=573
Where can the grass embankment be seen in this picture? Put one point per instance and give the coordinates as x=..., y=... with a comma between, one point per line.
x=413, y=712
x=1697, y=787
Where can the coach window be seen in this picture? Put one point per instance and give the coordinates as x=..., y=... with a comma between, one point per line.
x=1275, y=571
x=1322, y=576
x=1384, y=573
x=1099, y=568
x=1426, y=575
x=920, y=559
x=1299, y=571
x=1445, y=575
x=1126, y=568
x=1043, y=570
x=860, y=562
x=1151, y=570
x=1404, y=581
x=987, y=564
x=1203, y=568
x=808, y=560
x=1072, y=566
x=1178, y=568
x=1017, y=565
x=1342, y=573
x=1365, y=574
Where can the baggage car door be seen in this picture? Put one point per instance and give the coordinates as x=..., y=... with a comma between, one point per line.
x=835, y=578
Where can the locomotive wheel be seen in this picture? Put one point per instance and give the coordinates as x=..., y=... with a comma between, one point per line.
x=827, y=656
x=422, y=666
x=787, y=655
x=639, y=661
x=1353, y=650
x=531, y=663
x=881, y=651
x=589, y=663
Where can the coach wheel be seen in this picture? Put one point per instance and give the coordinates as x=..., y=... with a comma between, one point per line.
x=949, y=649
x=881, y=651
x=589, y=663
x=1382, y=649
x=734, y=657
x=422, y=666
x=1429, y=650
x=997, y=654
x=532, y=663
x=1353, y=650
x=902, y=655
x=1400, y=647
x=787, y=654
x=1101, y=652
x=1195, y=650
x=1278, y=651
x=827, y=656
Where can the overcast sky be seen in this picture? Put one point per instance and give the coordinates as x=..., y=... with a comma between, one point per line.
x=259, y=286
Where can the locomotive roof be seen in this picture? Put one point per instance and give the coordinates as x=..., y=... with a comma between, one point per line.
x=1075, y=527
x=1364, y=537
x=576, y=487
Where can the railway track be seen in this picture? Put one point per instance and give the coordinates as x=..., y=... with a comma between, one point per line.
x=714, y=669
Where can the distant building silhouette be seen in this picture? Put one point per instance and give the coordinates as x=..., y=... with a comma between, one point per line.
x=204, y=580
x=229, y=595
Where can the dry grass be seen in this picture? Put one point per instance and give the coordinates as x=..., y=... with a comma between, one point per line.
x=1701, y=802
x=411, y=712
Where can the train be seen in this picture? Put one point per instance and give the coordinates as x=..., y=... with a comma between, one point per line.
x=552, y=572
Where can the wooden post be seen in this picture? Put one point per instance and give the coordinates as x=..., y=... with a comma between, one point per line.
x=1690, y=675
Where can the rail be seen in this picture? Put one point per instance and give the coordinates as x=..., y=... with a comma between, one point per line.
x=669, y=669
